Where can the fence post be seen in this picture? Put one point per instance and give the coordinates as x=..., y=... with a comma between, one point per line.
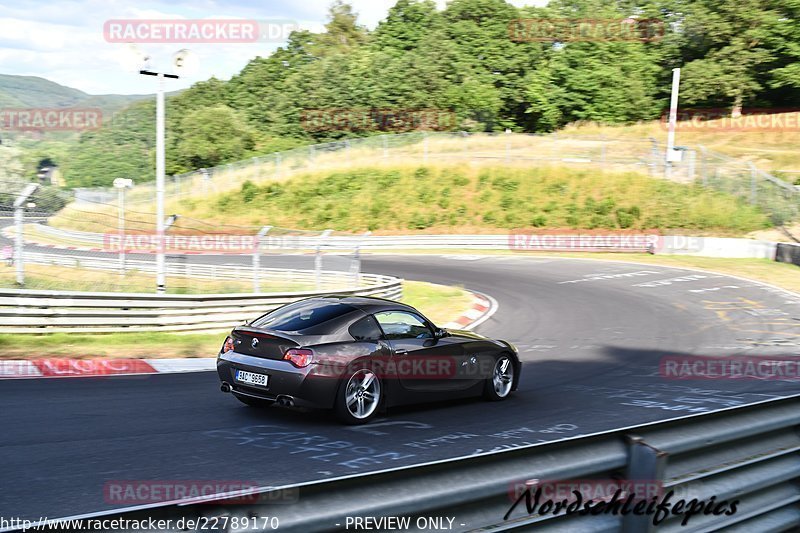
x=692, y=155
x=355, y=267
x=703, y=169
x=257, y=259
x=753, y=184
x=645, y=467
x=19, y=242
x=318, y=257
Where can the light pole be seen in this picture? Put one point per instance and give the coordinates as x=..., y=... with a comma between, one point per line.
x=185, y=62
x=161, y=283
x=121, y=184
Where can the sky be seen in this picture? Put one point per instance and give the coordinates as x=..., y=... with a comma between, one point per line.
x=64, y=40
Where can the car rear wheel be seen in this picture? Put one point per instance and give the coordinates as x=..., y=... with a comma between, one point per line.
x=254, y=402
x=499, y=385
x=359, y=397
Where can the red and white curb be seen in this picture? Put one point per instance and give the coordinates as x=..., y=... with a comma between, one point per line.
x=62, y=367
x=483, y=307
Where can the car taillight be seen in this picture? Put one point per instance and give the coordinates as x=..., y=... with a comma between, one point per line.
x=228, y=346
x=299, y=357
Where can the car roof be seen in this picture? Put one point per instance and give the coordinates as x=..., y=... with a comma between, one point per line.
x=367, y=304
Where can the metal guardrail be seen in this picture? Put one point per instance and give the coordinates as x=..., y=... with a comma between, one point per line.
x=747, y=453
x=29, y=311
x=328, y=279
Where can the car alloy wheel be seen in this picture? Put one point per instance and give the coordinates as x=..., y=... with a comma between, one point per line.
x=360, y=397
x=502, y=379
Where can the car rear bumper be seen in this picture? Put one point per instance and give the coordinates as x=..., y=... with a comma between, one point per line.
x=303, y=386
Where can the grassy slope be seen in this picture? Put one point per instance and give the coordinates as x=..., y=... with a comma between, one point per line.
x=446, y=198
x=461, y=198
x=440, y=303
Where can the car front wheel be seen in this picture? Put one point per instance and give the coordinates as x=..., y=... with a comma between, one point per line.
x=498, y=386
x=359, y=397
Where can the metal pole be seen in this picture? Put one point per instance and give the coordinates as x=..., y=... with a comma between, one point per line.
x=161, y=279
x=753, y=184
x=121, y=196
x=19, y=242
x=257, y=259
x=18, y=246
x=673, y=117
x=356, y=267
x=318, y=257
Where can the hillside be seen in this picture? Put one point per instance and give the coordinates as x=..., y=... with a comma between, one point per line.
x=449, y=198
x=32, y=91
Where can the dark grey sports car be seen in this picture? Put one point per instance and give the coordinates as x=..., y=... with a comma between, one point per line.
x=359, y=355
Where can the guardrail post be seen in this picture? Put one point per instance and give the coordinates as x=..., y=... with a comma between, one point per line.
x=19, y=241
x=355, y=267
x=257, y=259
x=318, y=257
x=645, y=468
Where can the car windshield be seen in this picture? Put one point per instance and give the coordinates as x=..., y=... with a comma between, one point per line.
x=302, y=315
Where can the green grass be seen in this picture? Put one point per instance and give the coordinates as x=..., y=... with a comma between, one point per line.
x=460, y=198
x=438, y=302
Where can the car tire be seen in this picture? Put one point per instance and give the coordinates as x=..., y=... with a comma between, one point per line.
x=254, y=402
x=498, y=386
x=359, y=397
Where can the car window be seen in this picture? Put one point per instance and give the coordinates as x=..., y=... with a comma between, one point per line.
x=301, y=315
x=366, y=329
x=403, y=325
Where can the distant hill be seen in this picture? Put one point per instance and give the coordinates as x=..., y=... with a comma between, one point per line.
x=32, y=91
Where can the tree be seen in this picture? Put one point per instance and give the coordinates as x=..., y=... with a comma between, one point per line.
x=214, y=135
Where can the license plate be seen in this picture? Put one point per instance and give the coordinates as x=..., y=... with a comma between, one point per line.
x=251, y=378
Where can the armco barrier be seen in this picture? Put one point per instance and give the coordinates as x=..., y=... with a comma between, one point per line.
x=748, y=453
x=788, y=253
x=29, y=311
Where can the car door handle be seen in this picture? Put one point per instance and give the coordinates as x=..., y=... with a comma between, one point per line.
x=401, y=352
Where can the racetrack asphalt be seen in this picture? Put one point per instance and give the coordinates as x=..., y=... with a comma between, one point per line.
x=591, y=335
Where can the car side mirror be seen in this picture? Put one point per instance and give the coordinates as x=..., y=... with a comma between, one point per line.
x=441, y=333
